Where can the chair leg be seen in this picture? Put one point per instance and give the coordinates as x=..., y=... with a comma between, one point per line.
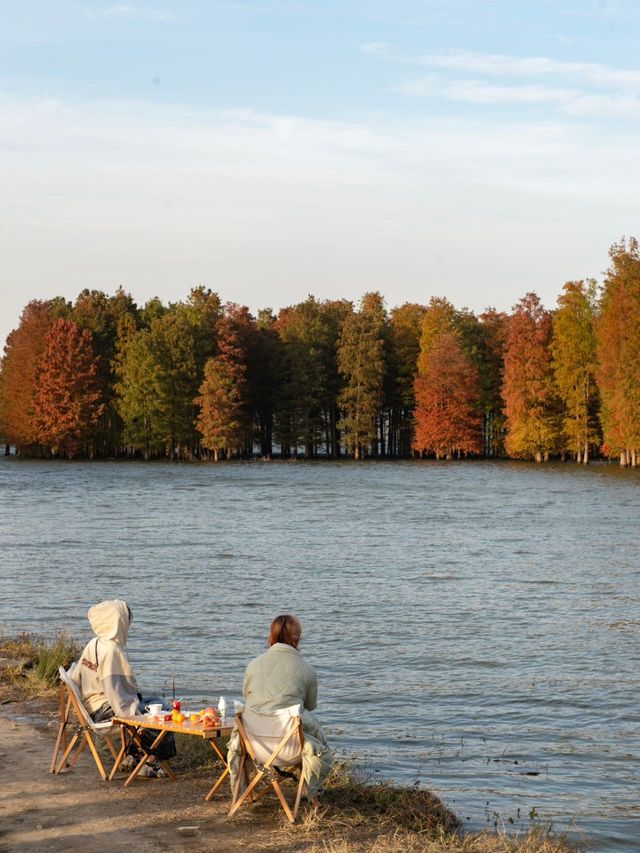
x=65, y=754
x=96, y=756
x=76, y=755
x=283, y=801
x=301, y=786
x=247, y=791
x=61, y=739
x=247, y=778
x=235, y=791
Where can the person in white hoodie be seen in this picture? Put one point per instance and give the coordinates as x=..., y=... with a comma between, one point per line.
x=105, y=677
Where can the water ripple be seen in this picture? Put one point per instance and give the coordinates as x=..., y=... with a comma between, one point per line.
x=474, y=626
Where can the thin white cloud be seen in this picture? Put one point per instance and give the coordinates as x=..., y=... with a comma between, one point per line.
x=377, y=48
x=503, y=65
x=571, y=102
x=165, y=142
x=562, y=39
x=134, y=13
x=476, y=92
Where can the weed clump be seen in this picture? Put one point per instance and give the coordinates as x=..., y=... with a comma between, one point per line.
x=351, y=792
x=30, y=663
x=51, y=656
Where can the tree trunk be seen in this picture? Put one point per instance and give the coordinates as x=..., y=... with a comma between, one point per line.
x=585, y=454
x=327, y=436
x=538, y=456
x=382, y=450
x=633, y=458
x=356, y=452
x=623, y=459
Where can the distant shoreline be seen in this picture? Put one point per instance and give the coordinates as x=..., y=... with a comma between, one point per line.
x=342, y=460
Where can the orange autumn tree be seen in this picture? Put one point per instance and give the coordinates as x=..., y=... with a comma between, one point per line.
x=531, y=405
x=618, y=335
x=68, y=398
x=447, y=415
x=223, y=418
x=18, y=376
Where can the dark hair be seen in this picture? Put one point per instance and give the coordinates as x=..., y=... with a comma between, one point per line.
x=285, y=629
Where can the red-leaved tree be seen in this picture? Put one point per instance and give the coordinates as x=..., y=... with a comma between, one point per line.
x=19, y=373
x=447, y=415
x=223, y=418
x=68, y=397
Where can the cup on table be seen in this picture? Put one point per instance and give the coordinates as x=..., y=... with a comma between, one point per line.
x=155, y=708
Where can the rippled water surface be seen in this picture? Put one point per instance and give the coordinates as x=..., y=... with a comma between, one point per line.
x=475, y=627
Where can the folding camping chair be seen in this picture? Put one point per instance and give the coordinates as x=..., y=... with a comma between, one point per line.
x=74, y=714
x=273, y=742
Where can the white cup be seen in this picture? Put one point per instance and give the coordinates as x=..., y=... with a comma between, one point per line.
x=155, y=709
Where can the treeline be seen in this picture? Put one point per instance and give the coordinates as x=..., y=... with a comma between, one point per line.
x=101, y=377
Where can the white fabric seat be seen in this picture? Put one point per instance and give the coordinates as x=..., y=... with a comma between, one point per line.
x=102, y=728
x=265, y=731
x=270, y=742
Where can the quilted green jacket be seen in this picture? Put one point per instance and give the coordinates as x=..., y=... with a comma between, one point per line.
x=279, y=678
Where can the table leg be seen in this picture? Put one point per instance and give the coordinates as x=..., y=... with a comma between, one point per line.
x=145, y=757
x=223, y=775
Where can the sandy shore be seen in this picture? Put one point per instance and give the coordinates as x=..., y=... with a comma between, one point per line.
x=76, y=811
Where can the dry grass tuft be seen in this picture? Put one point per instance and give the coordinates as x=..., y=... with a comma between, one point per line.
x=357, y=815
x=51, y=656
x=30, y=664
x=351, y=797
x=534, y=841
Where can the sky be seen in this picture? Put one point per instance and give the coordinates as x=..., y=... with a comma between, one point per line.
x=473, y=149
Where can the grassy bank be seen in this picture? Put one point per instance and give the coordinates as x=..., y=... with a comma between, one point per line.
x=355, y=814
x=29, y=664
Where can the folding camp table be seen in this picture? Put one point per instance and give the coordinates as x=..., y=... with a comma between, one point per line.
x=132, y=728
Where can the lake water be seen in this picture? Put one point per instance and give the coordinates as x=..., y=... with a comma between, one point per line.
x=475, y=626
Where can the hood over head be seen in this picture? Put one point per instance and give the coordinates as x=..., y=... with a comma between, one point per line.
x=110, y=621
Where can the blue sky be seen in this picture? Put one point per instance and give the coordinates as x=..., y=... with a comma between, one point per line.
x=269, y=150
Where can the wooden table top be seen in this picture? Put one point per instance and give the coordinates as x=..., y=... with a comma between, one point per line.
x=146, y=721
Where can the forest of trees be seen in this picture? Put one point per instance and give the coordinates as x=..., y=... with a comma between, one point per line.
x=200, y=380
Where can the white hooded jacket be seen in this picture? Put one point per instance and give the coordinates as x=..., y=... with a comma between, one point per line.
x=104, y=673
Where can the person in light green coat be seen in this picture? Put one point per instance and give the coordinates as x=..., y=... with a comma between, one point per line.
x=280, y=678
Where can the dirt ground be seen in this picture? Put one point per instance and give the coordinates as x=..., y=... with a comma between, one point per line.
x=76, y=811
